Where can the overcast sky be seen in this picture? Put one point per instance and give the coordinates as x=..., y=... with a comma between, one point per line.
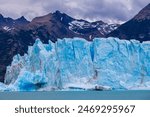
x=111, y=11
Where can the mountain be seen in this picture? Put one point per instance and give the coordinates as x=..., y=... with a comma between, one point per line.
x=60, y=25
x=17, y=35
x=8, y=24
x=77, y=64
x=137, y=28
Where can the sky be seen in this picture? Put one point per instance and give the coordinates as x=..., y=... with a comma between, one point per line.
x=110, y=11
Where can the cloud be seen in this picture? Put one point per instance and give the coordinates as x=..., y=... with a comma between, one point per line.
x=107, y=10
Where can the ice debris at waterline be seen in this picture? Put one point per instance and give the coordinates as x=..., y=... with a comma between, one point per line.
x=76, y=64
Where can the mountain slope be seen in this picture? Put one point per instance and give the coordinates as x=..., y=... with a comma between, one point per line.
x=137, y=28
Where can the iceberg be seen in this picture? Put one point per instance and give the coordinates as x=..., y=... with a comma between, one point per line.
x=74, y=63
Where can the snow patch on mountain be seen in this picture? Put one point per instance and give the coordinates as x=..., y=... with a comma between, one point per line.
x=7, y=28
x=78, y=25
x=102, y=27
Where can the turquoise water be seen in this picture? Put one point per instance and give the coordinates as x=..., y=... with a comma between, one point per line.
x=77, y=95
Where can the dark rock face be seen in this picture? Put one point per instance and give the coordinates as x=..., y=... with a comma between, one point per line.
x=144, y=14
x=21, y=21
x=137, y=28
x=9, y=46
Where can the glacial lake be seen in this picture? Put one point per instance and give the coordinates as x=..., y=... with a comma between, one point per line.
x=77, y=95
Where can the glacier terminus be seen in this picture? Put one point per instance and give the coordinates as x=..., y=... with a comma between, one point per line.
x=77, y=64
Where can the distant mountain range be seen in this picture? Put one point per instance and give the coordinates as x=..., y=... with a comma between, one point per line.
x=17, y=35
x=58, y=25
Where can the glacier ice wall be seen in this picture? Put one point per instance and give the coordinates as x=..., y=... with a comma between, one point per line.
x=119, y=64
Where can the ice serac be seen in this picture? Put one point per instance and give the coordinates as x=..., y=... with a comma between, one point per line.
x=77, y=63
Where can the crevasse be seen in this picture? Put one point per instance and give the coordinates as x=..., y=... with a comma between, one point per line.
x=118, y=64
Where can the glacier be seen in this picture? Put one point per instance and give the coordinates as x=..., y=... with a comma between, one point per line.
x=77, y=64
